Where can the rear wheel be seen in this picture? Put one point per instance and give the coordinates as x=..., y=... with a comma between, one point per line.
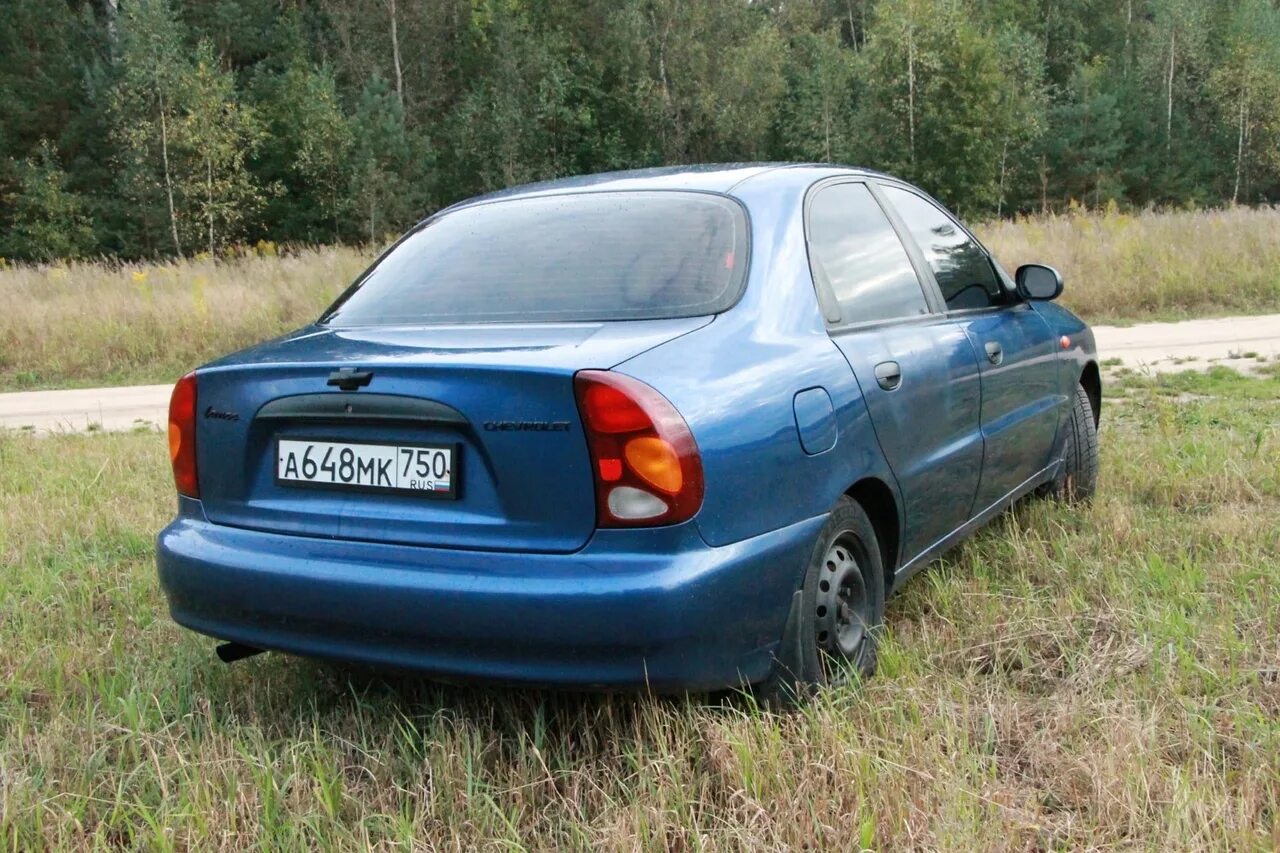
x=837, y=613
x=1078, y=478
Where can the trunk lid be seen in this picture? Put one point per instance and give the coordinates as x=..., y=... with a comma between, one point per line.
x=501, y=395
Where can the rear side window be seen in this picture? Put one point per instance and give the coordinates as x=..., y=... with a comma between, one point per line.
x=563, y=258
x=965, y=274
x=855, y=249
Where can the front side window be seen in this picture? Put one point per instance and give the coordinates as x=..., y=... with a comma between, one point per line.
x=581, y=257
x=964, y=272
x=853, y=247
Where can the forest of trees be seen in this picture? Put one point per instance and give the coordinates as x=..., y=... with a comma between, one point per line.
x=138, y=128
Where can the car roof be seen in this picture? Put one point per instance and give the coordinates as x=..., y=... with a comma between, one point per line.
x=710, y=177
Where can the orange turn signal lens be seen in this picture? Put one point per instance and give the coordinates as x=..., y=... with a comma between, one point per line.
x=655, y=462
x=175, y=442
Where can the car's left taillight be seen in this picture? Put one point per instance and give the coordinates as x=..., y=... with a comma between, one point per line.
x=182, y=436
x=645, y=463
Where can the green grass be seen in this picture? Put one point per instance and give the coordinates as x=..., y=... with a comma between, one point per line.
x=1105, y=675
x=93, y=324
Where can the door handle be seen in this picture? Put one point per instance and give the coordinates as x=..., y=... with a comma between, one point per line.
x=995, y=354
x=888, y=375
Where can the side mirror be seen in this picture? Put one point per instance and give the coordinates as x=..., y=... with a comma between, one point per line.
x=1037, y=281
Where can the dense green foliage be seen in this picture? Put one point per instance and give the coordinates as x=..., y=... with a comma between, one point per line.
x=153, y=127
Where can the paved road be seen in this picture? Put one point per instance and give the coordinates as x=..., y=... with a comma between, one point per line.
x=1234, y=341
x=79, y=409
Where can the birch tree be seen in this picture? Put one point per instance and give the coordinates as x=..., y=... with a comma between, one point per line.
x=217, y=135
x=1246, y=86
x=1179, y=29
x=930, y=105
x=153, y=69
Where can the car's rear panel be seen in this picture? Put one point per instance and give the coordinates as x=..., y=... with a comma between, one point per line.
x=501, y=396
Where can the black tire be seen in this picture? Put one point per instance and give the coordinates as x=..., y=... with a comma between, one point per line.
x=836, y=615
x=1078, y=479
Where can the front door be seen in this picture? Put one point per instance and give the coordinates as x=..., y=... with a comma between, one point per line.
x=1020, y=397
x=1011, y=341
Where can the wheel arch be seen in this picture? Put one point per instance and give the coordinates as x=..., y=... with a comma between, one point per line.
x=877, y=501
x=1091, y=381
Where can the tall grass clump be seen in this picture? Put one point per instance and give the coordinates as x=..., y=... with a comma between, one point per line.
x=108, y=323
x=1122, y=267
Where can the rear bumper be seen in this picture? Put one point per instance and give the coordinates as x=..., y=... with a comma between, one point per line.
x=646, y=608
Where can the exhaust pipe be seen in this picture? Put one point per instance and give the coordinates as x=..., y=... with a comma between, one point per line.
x=232, y=652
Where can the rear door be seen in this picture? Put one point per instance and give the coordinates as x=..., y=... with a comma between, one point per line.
x=915, y=366
x=1013, y=344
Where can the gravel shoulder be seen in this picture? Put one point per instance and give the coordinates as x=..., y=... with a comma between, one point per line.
x=1242, y=343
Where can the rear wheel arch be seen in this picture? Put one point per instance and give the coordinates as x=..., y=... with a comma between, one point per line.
x=1091, y=381
x=878, y=502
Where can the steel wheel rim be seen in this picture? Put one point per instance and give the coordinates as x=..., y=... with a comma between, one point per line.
x=842, y=607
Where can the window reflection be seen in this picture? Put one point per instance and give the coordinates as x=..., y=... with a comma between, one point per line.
x=856, y=249
x=562, y=258
x=963, y=270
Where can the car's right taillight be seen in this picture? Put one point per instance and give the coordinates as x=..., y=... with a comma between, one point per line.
x=182, y=436
x=643, y=457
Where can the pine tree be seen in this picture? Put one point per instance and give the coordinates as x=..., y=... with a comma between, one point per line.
x=1084, y=143
x=44, y=50
x=380, y=189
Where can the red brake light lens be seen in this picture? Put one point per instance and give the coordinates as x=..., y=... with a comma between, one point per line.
x=608, y=409
x=182, y=436
x=645, y=462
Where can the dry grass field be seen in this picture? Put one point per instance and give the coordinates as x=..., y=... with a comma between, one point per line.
x=97, y=323
x=86, y=324
x=1097, y=677
x=1123, y=267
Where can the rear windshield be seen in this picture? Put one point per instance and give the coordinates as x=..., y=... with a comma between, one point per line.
x=581, y=257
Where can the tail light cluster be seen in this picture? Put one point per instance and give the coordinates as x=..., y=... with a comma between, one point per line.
x=645, y=462
x=182, y=436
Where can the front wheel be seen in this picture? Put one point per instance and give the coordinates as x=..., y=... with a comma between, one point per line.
x=1078, y=478
x=836, y=615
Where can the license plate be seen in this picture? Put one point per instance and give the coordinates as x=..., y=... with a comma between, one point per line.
x=420, y=469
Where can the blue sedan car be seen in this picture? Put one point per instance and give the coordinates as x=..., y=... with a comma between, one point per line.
x=676, y=429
